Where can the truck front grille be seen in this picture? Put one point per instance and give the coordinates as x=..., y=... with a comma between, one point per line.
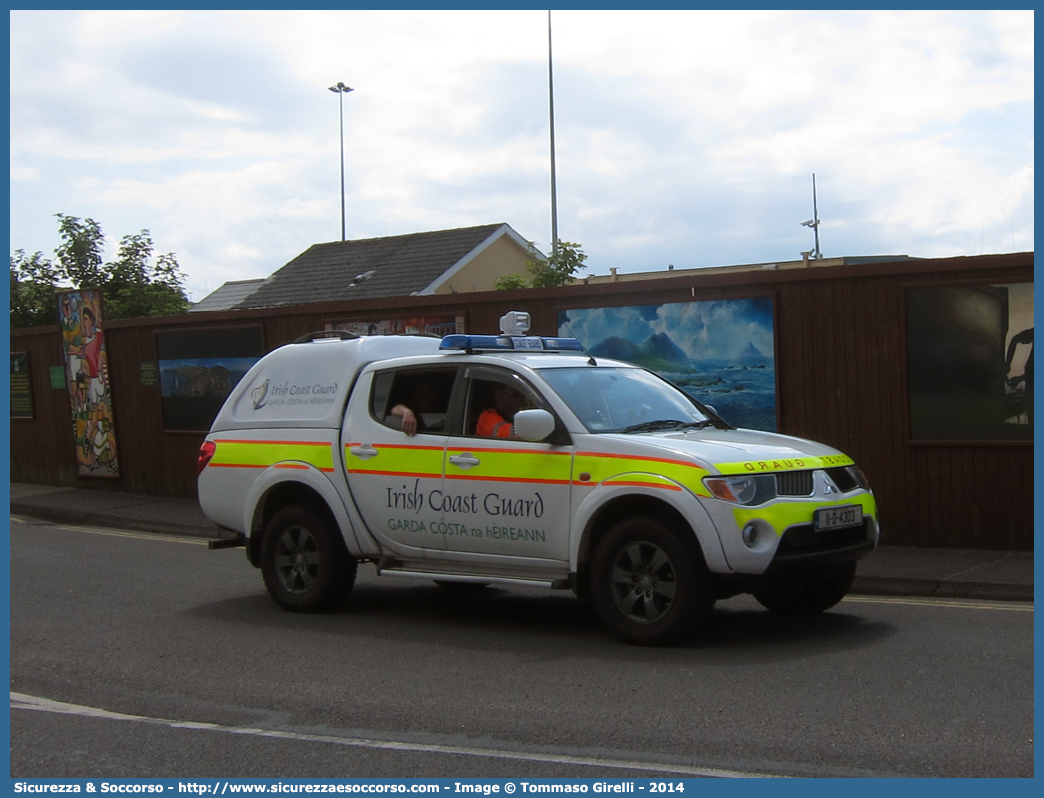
x=794, y=483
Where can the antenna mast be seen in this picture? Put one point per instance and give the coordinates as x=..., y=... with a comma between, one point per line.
x=815, y=215
x=814, y=221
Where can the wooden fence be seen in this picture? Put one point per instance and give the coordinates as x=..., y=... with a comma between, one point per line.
x=842, y=366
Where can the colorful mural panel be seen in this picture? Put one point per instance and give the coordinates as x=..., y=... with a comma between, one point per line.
x=721, y=352
x=87, y=378
x=198, y=370
x=438, y=325
x=970, y=362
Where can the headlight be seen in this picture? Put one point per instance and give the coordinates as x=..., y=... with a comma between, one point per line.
x=742, y=489
x=859, y=476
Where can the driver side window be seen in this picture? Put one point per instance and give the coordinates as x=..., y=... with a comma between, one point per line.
x=493, y=397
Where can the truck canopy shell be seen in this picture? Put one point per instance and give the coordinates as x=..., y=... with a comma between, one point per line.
x=307, y=384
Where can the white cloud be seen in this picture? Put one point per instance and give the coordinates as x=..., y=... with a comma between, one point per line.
x=684, y=137
x=26, y=174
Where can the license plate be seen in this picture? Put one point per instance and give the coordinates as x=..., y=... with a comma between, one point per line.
x=837, y=518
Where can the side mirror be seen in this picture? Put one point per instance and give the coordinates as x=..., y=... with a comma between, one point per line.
x=533, y=425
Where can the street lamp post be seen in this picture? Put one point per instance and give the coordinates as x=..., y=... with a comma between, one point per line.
x=551, y=117
x=340, y=90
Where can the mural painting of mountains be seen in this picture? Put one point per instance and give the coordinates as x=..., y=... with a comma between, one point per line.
x=751, y=351
x=716, y=351
x=658, y=353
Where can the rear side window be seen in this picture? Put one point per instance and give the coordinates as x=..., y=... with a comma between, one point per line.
x=425, y=391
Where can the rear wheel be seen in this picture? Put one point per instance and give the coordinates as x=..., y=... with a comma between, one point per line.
x=809, y=597
x=304, y=563
x=647, y=585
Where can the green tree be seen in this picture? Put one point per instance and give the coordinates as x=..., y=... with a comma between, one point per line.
x=134, y=284
x=33, y=283
x=137, y=286
x=559, y=269
x=80, y=253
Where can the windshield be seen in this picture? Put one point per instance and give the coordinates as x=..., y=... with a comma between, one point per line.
x=624, y=400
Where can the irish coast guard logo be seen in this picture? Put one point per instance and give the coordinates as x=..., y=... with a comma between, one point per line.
x=258, y=395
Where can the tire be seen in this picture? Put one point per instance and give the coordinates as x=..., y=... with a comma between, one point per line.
x=304, y=563
x=809, y=597
x=647, y=585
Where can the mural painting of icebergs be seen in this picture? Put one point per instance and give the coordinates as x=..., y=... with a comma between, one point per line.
x=722, y=352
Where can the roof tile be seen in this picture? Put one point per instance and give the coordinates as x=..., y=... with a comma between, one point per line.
x=368, y=268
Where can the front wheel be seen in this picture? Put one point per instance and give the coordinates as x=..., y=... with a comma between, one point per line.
x=304, y=563
x=809, y=597
x=647, y=585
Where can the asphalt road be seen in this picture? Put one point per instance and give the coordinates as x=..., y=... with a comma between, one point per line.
x=138, y=655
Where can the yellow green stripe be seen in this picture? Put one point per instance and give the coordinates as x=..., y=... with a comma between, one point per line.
x=785, y=464
x=603, y=467
x=397, y=460
x=513, y=464
x=782, y=515
x=263, y=454
x=643, y=481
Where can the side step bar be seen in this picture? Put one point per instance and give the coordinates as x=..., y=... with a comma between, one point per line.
x=389, y=567
x=227, y=543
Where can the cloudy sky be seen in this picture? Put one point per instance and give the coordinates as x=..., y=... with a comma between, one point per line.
x=683, y=137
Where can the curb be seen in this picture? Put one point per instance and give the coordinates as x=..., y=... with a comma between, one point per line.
x=88, y=518
x=940, y=588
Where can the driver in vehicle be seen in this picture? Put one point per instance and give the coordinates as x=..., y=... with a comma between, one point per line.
x=424, y=399
x=495, y=422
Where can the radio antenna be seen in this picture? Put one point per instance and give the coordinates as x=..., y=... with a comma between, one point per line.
x=590, y=358
x=814, y=221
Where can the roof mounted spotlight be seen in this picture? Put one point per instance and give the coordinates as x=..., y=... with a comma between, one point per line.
x=513, y=328
x=514, y=322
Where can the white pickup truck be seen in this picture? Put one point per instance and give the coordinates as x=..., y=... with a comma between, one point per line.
x=603, y=479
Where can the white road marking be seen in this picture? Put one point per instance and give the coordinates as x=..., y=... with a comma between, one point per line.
x=35, y=704
x=964, y=604
x=117, y=533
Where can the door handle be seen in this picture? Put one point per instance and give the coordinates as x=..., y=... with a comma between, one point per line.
x=464, y=460
x=363, y=452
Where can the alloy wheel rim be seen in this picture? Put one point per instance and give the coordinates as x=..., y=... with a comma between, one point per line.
x=643, y=582
x=297, y=559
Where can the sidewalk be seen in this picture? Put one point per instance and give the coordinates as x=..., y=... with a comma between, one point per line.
x=889, y=571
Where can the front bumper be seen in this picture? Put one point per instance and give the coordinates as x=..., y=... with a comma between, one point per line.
x=784, y=537
x=802, y=548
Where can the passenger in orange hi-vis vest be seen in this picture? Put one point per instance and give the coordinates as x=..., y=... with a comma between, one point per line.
x=495, y=422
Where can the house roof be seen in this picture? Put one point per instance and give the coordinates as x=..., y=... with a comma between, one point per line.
x=227, y=296
x=805, y=263
x=375, y=267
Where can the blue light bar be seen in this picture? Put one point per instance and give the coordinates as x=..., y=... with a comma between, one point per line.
x=563, y=344
x=494, y=343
